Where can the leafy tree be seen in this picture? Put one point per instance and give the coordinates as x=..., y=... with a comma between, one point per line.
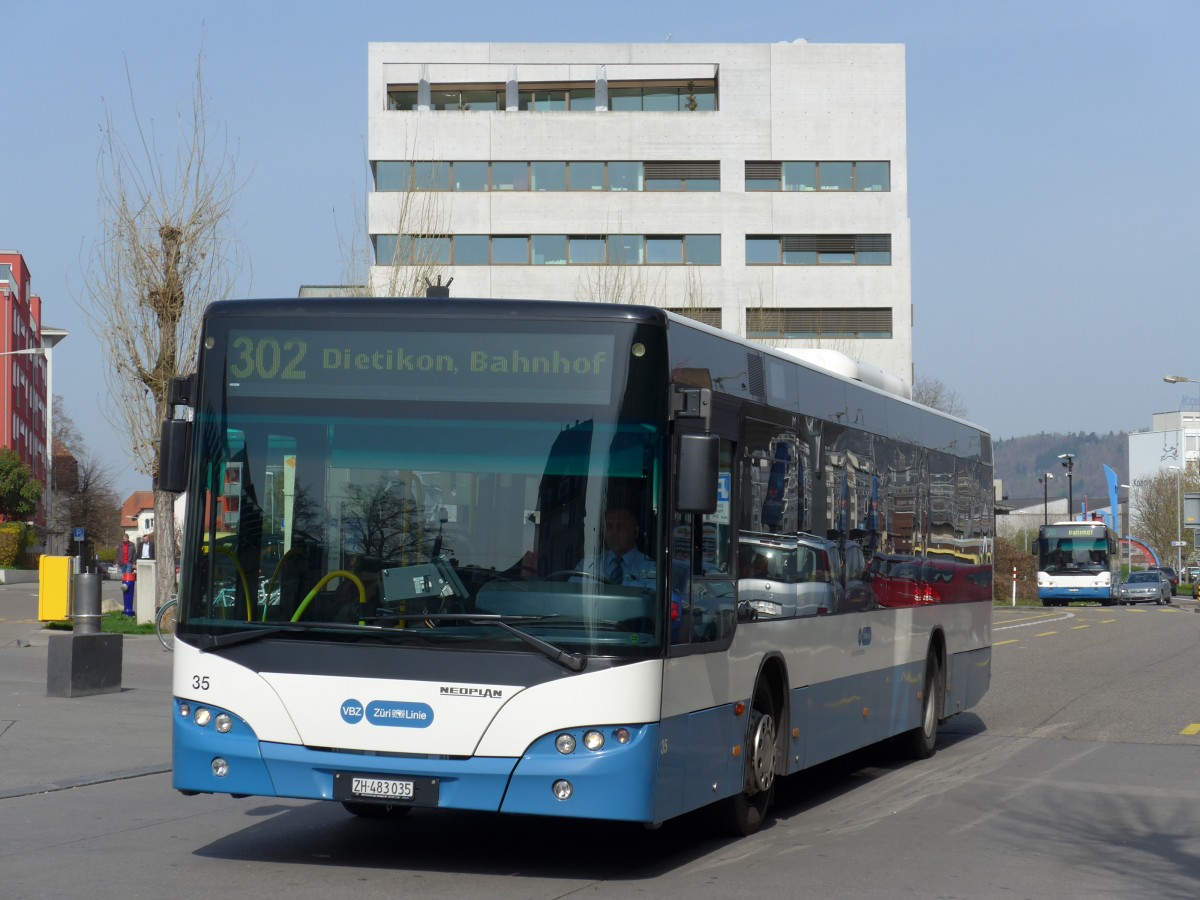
x=19, y=493
x=165, y=254
x=1155, y=502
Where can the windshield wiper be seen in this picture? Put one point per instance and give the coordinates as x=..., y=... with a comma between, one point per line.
x=210, y=642
x=572, y=661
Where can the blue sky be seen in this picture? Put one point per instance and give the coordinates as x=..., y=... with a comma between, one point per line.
x=1049, y=149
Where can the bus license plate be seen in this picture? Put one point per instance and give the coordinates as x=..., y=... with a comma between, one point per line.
x=417, y=791
x=381, y=787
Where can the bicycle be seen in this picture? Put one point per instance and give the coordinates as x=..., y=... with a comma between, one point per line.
x=164, y=623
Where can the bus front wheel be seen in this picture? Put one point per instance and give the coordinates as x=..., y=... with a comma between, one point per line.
x=744, y=812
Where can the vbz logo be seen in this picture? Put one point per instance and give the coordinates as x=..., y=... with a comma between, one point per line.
x=864, y=636
x=352, y=711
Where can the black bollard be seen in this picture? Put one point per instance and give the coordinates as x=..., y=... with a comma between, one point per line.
x=84, y=661
x=85, y=587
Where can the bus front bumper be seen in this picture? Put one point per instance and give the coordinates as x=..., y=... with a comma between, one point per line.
x=615, y=782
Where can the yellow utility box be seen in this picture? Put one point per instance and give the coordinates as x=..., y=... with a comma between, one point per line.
x=54, y=588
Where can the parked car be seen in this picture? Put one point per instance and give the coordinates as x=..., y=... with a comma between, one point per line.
x=1150, y=586
x=109, y=571
x=1170, y=574
x=1192, y=573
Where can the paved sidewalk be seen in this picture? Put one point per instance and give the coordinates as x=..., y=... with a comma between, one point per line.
x=50, y=743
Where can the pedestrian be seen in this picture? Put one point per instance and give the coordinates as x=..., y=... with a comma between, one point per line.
x=126, y=555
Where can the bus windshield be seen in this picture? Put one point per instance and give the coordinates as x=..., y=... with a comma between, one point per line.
x=438, y=513
x=1063, y=552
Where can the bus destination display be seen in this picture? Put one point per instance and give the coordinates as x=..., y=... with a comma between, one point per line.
x=357, y=365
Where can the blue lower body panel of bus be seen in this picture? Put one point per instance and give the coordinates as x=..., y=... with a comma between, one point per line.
x=1074, y=593
x=615, y=782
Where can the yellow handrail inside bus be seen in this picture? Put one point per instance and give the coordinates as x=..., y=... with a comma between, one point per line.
x=241, y=576
x=336, y=573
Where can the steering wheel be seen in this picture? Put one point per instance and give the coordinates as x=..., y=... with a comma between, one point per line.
x=568, y=574
x=325, y=579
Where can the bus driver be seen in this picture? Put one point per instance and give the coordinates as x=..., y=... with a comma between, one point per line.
x=621, y=562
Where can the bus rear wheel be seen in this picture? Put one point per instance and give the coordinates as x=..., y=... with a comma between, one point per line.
x=744, y=812
x=921, y=742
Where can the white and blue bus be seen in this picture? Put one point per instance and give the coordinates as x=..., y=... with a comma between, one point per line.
x=391, y=594
x=1077, y=562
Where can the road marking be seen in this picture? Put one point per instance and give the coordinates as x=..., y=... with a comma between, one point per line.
x=1046, y=634
x=1191, y=729
x=1036, y=620
x=1077, y=627
x=1002, y=643
x=1107, y=621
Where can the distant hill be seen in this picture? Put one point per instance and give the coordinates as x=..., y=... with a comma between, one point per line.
x=1020, y=461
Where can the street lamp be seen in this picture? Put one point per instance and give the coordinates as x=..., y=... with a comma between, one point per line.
x=1183, y=379
x=1178, y=518
x=1069, y=464
x=1128, y=516
x=50, y=337
x=1045, y=480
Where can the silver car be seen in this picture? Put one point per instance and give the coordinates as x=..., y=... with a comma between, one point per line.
x=1145, y=587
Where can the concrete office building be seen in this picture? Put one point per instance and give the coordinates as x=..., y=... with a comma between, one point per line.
x=759, y=188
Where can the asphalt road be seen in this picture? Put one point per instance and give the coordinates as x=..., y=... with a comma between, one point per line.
x=1076, y=777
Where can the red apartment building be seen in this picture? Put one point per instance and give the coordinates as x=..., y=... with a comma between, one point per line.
x=25, y=366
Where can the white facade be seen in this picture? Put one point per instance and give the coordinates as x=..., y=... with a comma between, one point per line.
x=791, y=103
x=1172, y=437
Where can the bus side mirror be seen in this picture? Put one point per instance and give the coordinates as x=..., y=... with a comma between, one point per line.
x=174, y=448
x=696, y=473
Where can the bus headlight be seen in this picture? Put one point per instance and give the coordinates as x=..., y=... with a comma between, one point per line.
x=593, y=740
x=563, y=789
x=203, y=716
x=224, y=722
x=565, y=744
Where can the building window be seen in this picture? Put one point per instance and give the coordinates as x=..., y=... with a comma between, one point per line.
x=586, y=176
x=470, y=176
x=819, y=250
x=510, y=176
x=404, y=100
x=392, y=176
x=624, y=176
x=682, y=176
x=702, y=249
x=510, y=251
x=466, y=99
x=818, y=176
x=471, y=250
x=543, y=101
x=644, y=96
x=846, y=322
x=431, y=176
x=548, y=250
x=548, y=175
x=587, y=250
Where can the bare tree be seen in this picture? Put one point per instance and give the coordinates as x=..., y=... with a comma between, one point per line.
x=415, y=254
x=1155, y=502
x=935, y=393
x=628, y=284
x=83, y=486
x=165, y=254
